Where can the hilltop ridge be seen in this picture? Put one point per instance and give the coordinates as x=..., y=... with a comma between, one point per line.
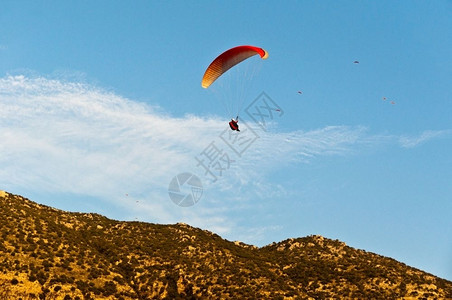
x=47, y=253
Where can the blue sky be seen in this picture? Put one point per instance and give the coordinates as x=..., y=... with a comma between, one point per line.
x=102, y=106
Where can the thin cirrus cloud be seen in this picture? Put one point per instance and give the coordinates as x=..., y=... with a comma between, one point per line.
x=72, y=138
x=425, y=136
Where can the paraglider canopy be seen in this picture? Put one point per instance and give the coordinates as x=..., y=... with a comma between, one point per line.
x=227, y=60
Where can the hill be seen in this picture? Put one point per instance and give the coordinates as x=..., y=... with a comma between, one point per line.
x=48, y=253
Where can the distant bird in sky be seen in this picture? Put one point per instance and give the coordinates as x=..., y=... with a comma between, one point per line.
x=300, y=92
x=356, y=62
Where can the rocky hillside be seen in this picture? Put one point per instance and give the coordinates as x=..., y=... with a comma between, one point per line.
x=47, y=253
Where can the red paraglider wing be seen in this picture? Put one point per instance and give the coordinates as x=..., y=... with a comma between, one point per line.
x=227, y=60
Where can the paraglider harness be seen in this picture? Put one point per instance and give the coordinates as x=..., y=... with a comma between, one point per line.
x=233, y=124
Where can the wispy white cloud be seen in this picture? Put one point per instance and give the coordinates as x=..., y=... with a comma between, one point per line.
x=71, y=138
x=92, y=138
x=61, y=137
x=425, y=136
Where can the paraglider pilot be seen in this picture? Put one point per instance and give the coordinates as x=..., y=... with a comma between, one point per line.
x=233, y=124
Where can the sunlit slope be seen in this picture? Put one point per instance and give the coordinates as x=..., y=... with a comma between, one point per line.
x=53, y=254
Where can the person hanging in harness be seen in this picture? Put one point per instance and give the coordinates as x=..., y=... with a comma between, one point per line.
x=233, y=124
